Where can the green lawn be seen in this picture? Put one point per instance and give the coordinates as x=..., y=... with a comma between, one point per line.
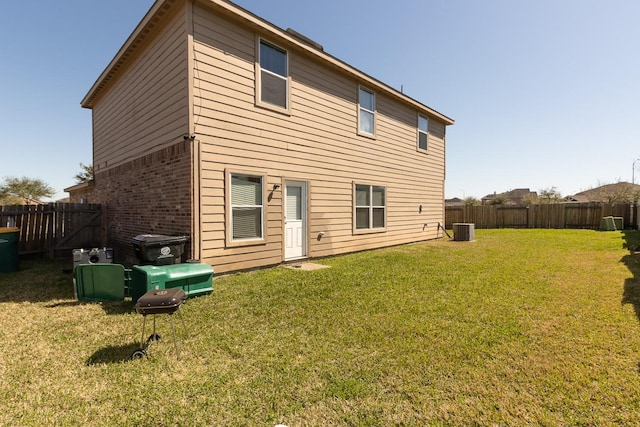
x=520, y=327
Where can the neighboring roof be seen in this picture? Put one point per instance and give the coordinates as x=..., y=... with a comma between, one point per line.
x=617, y=192
x=160, y=8
x=576, y=198
x=456, y=201
x=19, y=200
x=514, y=195
x=79, y=186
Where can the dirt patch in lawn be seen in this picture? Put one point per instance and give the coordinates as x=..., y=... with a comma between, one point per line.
x=305, y=266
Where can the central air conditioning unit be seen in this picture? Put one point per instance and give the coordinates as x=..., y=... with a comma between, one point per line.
x=92, y=256
x=463, y=232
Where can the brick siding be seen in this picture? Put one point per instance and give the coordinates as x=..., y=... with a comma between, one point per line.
x=148, y=195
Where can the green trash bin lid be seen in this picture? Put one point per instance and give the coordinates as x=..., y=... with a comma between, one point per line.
x=100, y=282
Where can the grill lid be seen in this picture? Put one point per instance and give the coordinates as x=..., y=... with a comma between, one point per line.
x=160, y=301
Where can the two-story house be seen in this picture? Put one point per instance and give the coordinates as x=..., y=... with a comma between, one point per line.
x=212, y=123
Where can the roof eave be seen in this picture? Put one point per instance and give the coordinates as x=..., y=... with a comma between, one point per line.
x=268, y=27
x=138, y=35
x=80, y=186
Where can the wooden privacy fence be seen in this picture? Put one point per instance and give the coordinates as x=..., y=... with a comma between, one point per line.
x=54, y=229
x=556, y=215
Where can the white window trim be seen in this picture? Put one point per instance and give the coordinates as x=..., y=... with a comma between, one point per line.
x=230, y=241
x=258, y=79
x=370, y=230
x=361, y=108
x=420, y=131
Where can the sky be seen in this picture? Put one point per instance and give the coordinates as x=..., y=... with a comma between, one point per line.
x=544, y=93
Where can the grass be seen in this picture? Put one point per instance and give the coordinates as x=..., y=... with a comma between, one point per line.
x=520, y=327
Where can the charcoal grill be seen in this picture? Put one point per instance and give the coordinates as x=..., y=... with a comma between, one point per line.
x=158, y=301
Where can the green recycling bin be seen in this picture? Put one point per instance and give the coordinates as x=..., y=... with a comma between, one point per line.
x=607, y=224
x=618, y=221
x=193, y=278
x=9, y=259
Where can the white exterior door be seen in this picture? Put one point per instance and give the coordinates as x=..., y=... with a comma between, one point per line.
x=295, y=220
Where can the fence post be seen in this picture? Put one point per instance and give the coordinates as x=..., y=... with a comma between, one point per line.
x=49, y=218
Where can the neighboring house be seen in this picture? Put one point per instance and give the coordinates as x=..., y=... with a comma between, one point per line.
x=81, y=193
x=20, y=201
x=576, y=199
x=619, y=192
x=518, y=196
x=456, y=201
x=262, y=148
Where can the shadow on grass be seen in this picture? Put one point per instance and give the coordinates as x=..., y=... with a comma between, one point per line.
x=50, y=283
x=113, y=354
x=36, y=281
x=117, y=307
x=631, y=293
x=109, y=307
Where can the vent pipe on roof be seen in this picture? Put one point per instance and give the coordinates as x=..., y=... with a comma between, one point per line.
x=304, y=39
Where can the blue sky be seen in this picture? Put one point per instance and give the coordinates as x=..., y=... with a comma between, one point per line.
x=545, y=93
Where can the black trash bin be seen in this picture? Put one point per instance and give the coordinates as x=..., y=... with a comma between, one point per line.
x=158, y=249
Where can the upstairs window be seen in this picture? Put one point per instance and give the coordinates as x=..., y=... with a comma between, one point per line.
x=274, y=76
x=370, y=207
x=366, y=111
x=247, y=209
x=423, y=132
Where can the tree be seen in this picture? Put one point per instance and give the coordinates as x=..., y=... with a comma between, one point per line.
x=549, y=195
x=498, y=200
x=471, y=201
x=85, y=175
x=620, y=192
x=18, y=190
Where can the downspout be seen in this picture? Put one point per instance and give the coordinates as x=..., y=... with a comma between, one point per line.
x=444, y=179
x=195, y=149
x=196, y=245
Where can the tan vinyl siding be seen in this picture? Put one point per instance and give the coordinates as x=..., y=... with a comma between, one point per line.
x=317, y=143
x=146, y=106
x=189, y=69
